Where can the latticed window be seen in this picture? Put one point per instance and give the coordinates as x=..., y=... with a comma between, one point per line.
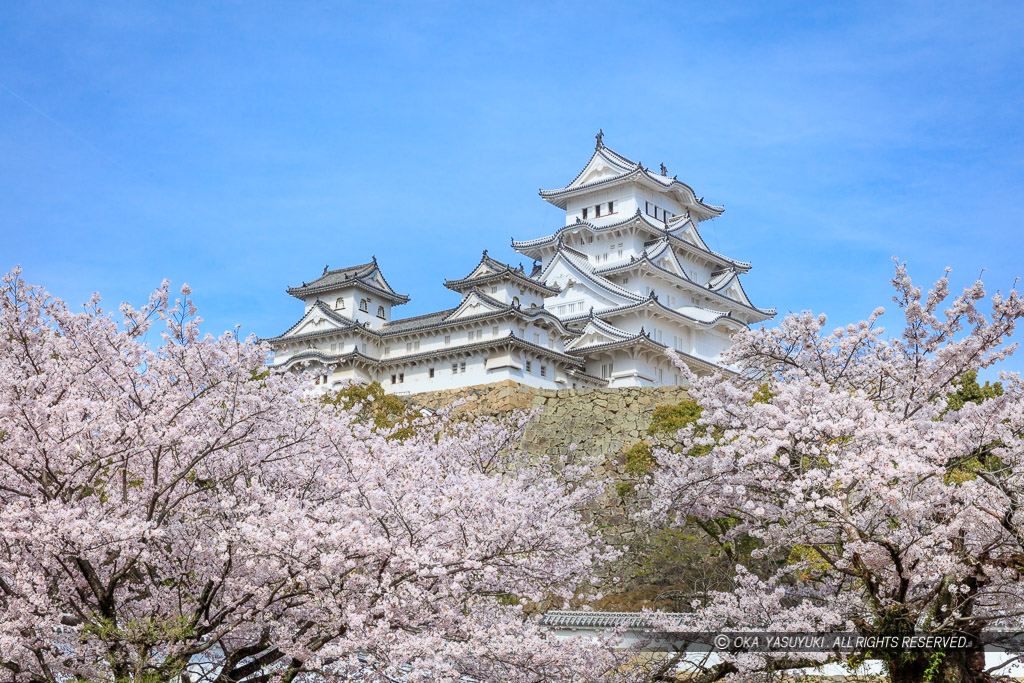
x=339, y=304
x=364, y=306
x=380, y=311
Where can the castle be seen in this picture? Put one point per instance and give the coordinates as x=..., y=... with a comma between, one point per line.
x=626, y=277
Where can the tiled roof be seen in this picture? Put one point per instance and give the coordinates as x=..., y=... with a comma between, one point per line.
x=697, y=314
x=499, y=271
x=339, y=278
x=581, y=619
x=628, y=170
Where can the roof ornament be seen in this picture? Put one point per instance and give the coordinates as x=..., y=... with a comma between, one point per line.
x=520, y=266
x=664, y=171
x=485, y=253
x=374, y=260
x=325, y=269
x=600, y=139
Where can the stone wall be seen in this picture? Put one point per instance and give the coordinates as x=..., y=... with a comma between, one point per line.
x=601, y=422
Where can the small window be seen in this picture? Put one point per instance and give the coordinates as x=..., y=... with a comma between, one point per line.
x=462, y=366
x=494, y=289
x=447, y=339
x=529, y=366
x=455, y=368
x=334, y=347
x=392, y=379
x=430, y=372
x=339, y=304
x=380, y=311
x=597, y=210
x=401, y=377
x=585, y=214
x=494, y=331
x=536, y=337
x=363, y=347
x=515, y=301
x=387, y=350
x=543, y=371
x=408, y=347
x=364, y=306
x=611, y=207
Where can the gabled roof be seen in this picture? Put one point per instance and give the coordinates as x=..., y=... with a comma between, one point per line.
x=607, y=167
x=578, y=263
x=318, y=311
x=643, y=339
x=703, y=317
x=489, y=270
x=695, y=245
x=367, y=277
x=597, y=328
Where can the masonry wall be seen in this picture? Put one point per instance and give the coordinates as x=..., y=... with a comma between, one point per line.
x=601, y=422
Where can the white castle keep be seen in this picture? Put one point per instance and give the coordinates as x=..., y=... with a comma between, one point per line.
x=626, y=277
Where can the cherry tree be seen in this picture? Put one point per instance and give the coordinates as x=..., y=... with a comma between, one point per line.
x=171, y=510
x=888, y=508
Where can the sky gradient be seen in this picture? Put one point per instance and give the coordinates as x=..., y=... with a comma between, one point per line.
x=240, y=147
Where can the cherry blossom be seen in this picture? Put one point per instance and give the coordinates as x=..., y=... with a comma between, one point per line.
x=838, y=452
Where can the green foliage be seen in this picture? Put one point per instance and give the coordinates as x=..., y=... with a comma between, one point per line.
x=669, y=419
x=935, y=661
x=639, y=459
x=383, y=411
x=624, y=488
x=764, y=394
x=969, y=391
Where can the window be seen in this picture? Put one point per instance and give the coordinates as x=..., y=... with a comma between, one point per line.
x=529, y=366
x=494, y=331
x=380, y=311
x=515, y=301
x=412, y=346
x=334, y=347
x=387, y=350
x=536, y=337
x=392, y=379
x=401, y=377
x=661, y=376
x=364, y=306
x=597, y=210
x=430, y=373
x=543, y=371
x=584, y=214
x=339, y=304
x=611, y=207
x=447, y=339
x=606, y=370
x=625, y=280
x=455, y=368
x=494, y=289
x=363, y=347
x=462, y=366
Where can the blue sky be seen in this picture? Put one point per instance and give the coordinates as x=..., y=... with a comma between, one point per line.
x=240, y=147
